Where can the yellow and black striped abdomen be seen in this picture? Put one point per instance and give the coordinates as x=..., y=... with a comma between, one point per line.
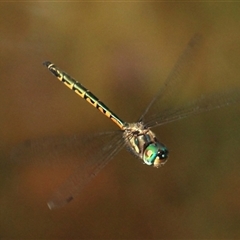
x=84, y=93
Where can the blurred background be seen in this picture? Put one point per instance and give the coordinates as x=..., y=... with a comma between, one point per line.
x=122, y=52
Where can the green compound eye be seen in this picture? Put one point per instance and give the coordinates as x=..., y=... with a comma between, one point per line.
x=155, y=154
x=150, y=154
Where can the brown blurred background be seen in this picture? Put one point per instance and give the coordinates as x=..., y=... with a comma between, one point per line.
x=122, y=52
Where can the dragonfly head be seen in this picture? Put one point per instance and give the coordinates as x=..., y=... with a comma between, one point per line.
x=155, y=154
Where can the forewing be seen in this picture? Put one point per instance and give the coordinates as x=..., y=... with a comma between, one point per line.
x=184, y=92
x=98, y=151
x=93, y=153
x=176, y=81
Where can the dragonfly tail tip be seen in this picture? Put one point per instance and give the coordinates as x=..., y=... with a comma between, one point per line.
x=46, y=63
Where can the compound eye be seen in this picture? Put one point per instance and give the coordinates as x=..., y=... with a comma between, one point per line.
x=163, y=154
x=150, y=154
x=155, y=154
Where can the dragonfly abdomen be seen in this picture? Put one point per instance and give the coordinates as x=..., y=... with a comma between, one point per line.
x=84, y=93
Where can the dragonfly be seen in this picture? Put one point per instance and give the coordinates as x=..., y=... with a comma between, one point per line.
x=137, y=137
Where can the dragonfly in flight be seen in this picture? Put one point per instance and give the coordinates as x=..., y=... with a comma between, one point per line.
x=137, y=136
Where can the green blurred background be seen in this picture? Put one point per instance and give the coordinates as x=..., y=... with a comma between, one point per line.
x=122, y=52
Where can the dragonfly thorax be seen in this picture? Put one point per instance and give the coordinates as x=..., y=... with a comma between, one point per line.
x=143, y=143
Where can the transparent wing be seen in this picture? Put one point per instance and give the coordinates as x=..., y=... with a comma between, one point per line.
x=176, y=80
x=100, y=151
x=93, y=153
x=202, y=104
x=47, y=150
x=176, y=100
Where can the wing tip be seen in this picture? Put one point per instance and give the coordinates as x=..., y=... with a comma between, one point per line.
x=51, y=205
x=54, y=204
